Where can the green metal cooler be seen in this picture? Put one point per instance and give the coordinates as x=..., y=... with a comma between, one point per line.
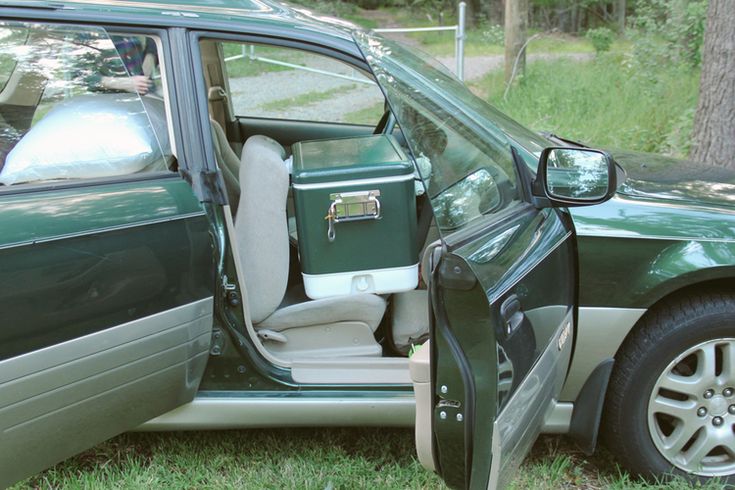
x=355, y=216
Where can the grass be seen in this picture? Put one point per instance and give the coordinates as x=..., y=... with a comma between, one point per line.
x=309, y=459
x=609, y=104
x=245, y=67
x=304, y=99
x=369, y=115
x=296, y=458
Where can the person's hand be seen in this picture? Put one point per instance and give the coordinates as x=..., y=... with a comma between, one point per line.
x=141, y=84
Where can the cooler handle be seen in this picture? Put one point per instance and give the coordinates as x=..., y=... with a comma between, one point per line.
x=351, y=206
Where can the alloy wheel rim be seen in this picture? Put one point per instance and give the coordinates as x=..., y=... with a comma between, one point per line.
x=691, y=411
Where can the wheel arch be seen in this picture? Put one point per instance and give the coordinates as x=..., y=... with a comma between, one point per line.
x=620, y=323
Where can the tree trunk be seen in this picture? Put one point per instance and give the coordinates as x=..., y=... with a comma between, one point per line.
x=714, y=122
x=619, y=14
x=516, y=22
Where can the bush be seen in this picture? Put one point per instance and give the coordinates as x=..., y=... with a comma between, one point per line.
x=601, y=39
x=493, y=34
x=666, y=31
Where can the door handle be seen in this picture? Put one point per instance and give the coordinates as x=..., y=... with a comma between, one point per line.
x=511, y=314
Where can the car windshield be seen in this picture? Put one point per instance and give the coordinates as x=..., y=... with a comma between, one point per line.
x=462, y=145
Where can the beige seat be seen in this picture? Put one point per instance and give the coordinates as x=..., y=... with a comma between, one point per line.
x=228, y=163
x=290, y=325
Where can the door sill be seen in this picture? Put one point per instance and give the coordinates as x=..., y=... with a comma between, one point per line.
x=352, y=370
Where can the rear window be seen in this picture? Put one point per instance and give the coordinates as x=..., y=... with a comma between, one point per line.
x=78, y=103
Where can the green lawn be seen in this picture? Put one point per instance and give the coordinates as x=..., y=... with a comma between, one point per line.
x=307, y=459
x=605, y=102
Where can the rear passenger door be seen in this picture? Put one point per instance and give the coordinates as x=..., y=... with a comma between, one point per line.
x=106, y=269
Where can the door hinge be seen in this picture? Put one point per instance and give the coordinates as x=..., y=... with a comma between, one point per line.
x=230, y=290
x=218, y=342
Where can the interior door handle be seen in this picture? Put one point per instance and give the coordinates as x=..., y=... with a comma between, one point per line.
x=512, y=314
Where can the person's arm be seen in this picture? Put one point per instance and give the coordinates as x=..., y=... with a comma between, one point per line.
x=140, y=84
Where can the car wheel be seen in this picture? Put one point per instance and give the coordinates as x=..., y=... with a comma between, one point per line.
x=670, y=407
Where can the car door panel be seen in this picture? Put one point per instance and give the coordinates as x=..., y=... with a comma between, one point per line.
x=107, y=301
x=101, y=384
x=288, y=132
x=527, y=409
x=489, y=378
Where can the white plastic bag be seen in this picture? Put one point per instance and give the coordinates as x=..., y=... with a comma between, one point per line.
x=90, y=136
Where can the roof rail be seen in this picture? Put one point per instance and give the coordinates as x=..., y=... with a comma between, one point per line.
x=33, y=4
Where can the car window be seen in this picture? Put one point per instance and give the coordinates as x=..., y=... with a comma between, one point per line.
x=79, y=103
x=285, y=83
x=465, y=164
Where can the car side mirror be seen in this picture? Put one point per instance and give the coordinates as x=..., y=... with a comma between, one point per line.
x=569, y=177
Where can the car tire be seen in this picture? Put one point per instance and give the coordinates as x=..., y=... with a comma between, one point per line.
x=675, y=346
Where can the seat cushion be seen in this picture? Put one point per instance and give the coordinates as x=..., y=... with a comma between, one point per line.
x=366, y=308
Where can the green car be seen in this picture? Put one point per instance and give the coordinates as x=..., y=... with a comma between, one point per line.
x=235, y=213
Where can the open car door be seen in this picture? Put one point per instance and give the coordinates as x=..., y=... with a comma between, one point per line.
x=107, y=278
x=501, y=337
x=501, y=275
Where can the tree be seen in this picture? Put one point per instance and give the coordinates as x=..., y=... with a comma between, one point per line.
x=619, y=14
x=516, y=22
x=714, y=121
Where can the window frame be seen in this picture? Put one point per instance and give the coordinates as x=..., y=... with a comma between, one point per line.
x=163, y=43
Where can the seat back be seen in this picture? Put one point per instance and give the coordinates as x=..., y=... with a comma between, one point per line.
x=261, y=228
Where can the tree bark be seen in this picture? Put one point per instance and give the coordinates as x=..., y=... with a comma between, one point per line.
x=516, y=23
x=714, y=121
x=619, y=14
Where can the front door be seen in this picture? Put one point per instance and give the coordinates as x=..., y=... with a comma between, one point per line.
x=106, y=269
x=501, y=278
x=501, y=297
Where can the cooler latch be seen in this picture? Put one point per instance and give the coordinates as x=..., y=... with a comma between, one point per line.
x=352, y=206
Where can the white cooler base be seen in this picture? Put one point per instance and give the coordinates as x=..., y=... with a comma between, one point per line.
x=380, y=281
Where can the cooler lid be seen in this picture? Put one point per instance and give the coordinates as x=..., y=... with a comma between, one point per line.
x=355, y=158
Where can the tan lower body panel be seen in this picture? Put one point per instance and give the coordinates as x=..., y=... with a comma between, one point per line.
x=60, y=400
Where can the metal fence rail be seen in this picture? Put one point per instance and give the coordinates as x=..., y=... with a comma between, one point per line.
x=248, y=51
x=459, y=36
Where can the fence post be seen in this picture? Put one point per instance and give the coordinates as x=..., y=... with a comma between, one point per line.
x=459, y=42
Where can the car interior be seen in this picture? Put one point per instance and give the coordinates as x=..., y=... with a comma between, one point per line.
x=350, y=337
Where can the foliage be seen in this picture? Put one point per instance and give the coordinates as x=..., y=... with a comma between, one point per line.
x=603, y=103
x=601, y=39
x=493, y=34
x=669, y=31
